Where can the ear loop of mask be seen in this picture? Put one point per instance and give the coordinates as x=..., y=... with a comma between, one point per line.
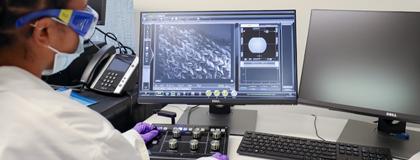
x=48, y=46
x=36, y=27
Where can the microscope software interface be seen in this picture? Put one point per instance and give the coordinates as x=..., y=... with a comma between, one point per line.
x=222, y=55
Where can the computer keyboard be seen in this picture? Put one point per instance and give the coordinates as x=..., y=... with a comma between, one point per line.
x=293, y=148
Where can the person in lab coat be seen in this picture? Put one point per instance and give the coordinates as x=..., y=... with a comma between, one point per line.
x=35, y=121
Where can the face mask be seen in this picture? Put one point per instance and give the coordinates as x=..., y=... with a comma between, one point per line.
x=63, y=60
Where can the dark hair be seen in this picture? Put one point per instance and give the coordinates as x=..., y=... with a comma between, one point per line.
x=11, y=10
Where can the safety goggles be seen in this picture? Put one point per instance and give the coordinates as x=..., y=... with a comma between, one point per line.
x=83, y=22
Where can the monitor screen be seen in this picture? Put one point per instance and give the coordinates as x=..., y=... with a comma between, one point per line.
x=225, y=57
x=100, y=7
x=365, y=62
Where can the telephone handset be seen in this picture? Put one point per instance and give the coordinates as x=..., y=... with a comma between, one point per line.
x=110, y=77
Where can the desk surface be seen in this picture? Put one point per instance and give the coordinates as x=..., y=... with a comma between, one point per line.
x=115, y=109
x=108, y=106
x=285, y=120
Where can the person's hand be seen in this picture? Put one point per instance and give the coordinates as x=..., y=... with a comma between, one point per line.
x=146, y=131
x=215, y=156
x=220, y=156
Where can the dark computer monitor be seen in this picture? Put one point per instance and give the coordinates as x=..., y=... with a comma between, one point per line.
x=100, y=7
x=366, y=62
x=218, y=57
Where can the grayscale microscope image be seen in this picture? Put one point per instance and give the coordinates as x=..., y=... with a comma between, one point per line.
x=194, y=52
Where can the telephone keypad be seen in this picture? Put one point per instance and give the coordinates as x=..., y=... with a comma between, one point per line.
x=108, y=80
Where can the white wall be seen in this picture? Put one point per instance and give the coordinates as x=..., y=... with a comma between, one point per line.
x=119, y=20
x=303, y=8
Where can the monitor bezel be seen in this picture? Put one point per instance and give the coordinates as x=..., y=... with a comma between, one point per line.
x=350, y=108
x=101, y=20
x=208, y=101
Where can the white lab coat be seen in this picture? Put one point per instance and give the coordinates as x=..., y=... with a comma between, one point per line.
x=38, y=123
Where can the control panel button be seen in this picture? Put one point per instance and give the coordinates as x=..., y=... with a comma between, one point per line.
x=217, y=93
x=155, y=142
x=225, y=93
x=234, y=93
x=208, y=93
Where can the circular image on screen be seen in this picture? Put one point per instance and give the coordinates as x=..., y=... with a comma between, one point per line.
x=257, y=45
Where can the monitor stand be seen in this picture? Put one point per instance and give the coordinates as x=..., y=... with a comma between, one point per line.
x=382, y=135
x=237, y=120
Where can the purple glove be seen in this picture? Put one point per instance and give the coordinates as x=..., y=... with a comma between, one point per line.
x=146, y=131
x=220, y=156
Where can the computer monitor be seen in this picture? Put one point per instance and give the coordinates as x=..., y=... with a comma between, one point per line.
x=100, y=7
x=366, y=62
x=218, y=58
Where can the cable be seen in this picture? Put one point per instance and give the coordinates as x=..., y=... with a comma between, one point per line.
x=113, y=37
x=316, y=128
x=192, y=109
x=94, y=31
x=121, y=47
x=96, y=46
x=125, y=49
x=103, y=32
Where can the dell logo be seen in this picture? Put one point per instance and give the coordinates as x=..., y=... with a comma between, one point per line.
x=215, y=101
x=391, y=114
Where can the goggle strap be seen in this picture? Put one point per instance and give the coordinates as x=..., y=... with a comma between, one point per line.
x=36, y=15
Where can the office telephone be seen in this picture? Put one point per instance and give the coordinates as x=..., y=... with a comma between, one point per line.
x=109, y=72
x=100, y=68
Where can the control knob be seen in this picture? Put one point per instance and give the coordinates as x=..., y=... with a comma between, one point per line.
x=196, y=133
x=216, y=134
x=215, y=145
x=194, y=144
x=173, y=144
x=176, y=132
